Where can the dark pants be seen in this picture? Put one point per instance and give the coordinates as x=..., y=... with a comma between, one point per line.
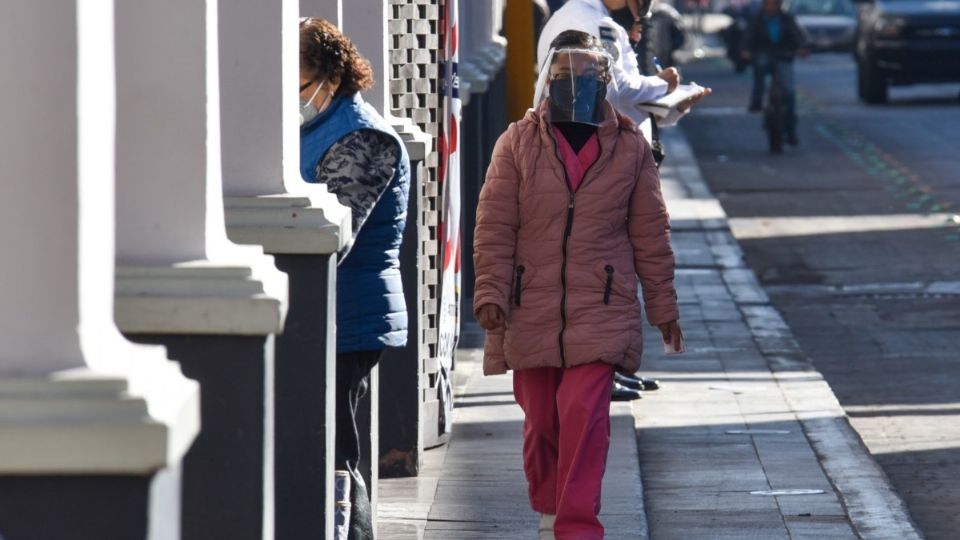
x=353, y=370
x=766, y=66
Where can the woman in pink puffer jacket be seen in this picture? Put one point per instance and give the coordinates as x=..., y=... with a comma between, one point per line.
x=570, y=216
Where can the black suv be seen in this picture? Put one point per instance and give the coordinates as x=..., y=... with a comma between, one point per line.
x=906, y=42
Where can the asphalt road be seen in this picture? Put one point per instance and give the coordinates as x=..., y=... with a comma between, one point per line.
x=854, y=238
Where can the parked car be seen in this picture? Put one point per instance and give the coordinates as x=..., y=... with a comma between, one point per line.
x=906, y=42
x=830, y=24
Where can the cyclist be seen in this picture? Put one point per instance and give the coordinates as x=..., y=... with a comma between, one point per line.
x=772, y=41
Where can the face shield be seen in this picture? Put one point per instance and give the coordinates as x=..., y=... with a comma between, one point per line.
x=575, y=83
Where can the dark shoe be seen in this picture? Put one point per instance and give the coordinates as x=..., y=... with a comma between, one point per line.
x=650, y=384
x=622, y=393
x=636, y=383
x=792, y=139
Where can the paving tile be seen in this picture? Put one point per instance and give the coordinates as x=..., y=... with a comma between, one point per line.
x=819, y=528
x=738, y=524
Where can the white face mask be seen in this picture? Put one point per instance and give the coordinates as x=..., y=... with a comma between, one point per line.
x=309, y=111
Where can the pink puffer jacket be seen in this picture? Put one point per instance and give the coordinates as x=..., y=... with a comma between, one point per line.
x=563, y=266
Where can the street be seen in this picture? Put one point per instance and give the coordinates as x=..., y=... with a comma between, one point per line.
x=854, y=237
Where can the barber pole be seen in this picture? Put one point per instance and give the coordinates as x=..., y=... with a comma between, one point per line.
x=449, y=229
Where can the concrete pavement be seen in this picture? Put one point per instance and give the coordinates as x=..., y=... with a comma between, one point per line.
x=741, y=422
x=850, y=235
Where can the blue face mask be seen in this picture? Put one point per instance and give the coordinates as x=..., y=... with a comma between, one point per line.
x=577, y=99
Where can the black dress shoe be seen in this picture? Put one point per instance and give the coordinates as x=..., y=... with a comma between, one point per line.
x=650, y=384
x=622, y=393
x=629, y=381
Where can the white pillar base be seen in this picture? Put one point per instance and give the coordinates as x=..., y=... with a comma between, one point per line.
x=84, y=422
x=195, y=298
x=417, y=141
x=289, y=224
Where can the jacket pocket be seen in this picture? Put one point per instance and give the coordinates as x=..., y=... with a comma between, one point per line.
x=615, y=284
x=522, y=278
x=518, y=284
x=609, y=285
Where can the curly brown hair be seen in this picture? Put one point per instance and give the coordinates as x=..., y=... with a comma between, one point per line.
x=325, y=53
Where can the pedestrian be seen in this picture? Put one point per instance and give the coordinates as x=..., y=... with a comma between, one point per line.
x=570, y=216
x=615, y=23
x=347, y=146
x=771, y=43
x=630, y=86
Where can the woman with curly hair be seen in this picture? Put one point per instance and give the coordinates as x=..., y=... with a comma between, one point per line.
x=346, y=145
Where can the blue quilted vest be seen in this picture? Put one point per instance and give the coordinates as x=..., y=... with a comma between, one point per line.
x=371, y=309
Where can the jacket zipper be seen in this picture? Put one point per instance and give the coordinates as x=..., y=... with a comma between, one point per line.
x=566, y=236
x=519, y=288
x=563, y=274
x=606, y=290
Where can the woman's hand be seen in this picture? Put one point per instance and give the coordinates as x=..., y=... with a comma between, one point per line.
x=672, y=335
x=491, y=317
x=672, y=76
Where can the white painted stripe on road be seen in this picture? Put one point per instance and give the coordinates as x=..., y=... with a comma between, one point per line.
x=758, y=432
x=787, y=492
x=780, y=227
x=860, y=289
x=944, y=287
x=919, y=408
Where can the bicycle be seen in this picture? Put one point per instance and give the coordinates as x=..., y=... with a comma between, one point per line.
x=775, y=113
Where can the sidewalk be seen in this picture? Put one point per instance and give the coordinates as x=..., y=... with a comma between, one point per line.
x=475, y=489
x=740, y=413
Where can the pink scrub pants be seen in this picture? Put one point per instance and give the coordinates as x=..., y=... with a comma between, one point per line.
x=566, y=435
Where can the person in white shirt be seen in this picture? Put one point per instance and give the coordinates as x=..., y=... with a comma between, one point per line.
x=628, y=86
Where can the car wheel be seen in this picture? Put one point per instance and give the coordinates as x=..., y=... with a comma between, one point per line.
x=871, y=85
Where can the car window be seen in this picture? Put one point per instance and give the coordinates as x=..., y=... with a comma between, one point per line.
x=821, y=7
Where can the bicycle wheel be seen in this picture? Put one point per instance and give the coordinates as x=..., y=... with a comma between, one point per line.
x=775, y=120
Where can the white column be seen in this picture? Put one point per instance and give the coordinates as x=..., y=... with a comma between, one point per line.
x=177, y=272
x=76, y=398
x=267, y=201
x=469, y=72
x=365, y=23
x=496, y=46
x=483, y=50
x=330, y=10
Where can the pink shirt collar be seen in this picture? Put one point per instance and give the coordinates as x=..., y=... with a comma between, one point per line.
x=576, y=163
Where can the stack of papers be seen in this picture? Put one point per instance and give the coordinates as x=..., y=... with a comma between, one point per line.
x=667, y=105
